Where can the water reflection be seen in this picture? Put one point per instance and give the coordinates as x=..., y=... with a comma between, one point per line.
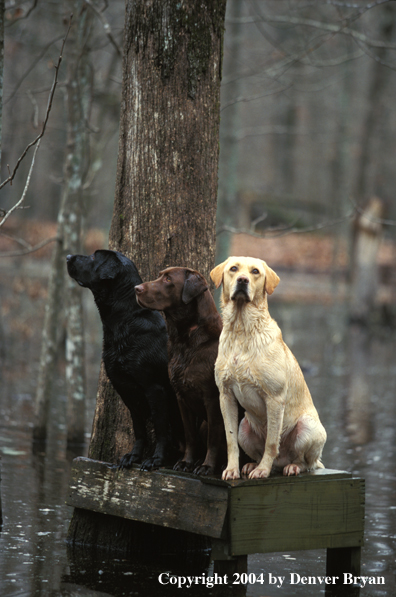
x=351, y=376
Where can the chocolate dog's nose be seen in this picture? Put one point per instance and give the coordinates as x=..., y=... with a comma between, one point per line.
x=138, y=289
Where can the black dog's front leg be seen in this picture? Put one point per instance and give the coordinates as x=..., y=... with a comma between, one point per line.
x=139, y=428
x=157, y=400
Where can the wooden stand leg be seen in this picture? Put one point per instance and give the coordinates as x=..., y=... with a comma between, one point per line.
x=342, y=561
x=235, y=565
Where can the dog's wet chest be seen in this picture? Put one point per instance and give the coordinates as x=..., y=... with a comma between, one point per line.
x=251, y=371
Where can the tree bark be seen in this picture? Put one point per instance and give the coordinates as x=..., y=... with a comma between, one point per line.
x=166, y=187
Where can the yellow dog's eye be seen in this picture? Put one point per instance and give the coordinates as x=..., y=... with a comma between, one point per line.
x=255, y=271
x=233, y=268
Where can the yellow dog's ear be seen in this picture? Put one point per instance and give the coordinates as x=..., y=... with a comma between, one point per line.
x=217, y=273
x=271, y=279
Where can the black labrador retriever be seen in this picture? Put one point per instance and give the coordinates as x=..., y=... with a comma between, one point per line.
x=134, y=353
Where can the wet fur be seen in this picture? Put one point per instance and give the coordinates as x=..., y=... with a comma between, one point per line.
x=281, y=427
x=134, y=353
x=194, y=326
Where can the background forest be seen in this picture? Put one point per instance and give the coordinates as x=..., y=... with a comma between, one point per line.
x=307, y=125
x=307, y=138
x=307, y=144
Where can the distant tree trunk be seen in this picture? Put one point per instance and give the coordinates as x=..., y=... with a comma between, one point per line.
x=165, y=202
x=69, y=233
x=365, y=180
x=1, y=70
x=365, y=276
x=79, y=93
x=2, y=344
x=229, y=206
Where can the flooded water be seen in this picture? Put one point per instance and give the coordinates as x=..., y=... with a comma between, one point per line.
x=351, y=376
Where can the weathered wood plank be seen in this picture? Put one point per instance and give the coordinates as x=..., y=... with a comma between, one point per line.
x=278, y=478
x=278, y=516
x=165, y=500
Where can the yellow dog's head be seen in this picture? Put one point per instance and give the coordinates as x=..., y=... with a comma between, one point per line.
x=244, y=279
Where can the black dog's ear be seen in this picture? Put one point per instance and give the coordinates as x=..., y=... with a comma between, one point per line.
x=106, y=264
x=193, y=287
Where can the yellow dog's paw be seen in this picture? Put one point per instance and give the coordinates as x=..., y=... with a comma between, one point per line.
x=230, y=473
x=291, y=469
x=260, y=473
x=248, y=468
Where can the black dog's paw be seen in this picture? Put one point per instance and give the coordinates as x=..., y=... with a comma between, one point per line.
x=204, y=470
x=183, y=466
x=151, y=464
x=128, y=460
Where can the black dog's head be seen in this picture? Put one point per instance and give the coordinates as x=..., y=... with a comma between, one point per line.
x=96, y=270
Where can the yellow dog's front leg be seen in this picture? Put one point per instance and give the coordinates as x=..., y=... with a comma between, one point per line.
x=229, y=410
x=275, y=410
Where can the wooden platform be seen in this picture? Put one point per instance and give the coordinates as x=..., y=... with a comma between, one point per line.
x=324, y=509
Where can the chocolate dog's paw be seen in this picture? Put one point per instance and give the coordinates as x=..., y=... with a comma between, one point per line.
x=204, y=470
x=183, y=466
x=153, y=463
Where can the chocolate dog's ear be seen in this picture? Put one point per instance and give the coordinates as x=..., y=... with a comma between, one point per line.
x=271, y=279
x=217, y=273
x=194, y=285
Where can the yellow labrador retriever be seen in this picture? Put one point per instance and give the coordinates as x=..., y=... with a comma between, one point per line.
x=281, y=427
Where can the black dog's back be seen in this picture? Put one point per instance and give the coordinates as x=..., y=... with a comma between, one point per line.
x=134, y=352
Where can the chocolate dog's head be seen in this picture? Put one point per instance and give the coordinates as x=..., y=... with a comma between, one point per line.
x=175, y=286
x=94, y=271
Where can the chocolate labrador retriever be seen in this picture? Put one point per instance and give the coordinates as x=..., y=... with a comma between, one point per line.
x=134, y=353
x=194, y=327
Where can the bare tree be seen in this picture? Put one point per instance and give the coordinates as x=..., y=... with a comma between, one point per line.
x=69, y=241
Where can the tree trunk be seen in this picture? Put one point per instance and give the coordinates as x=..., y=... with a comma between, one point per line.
x=1, y=70
x=365, y=276
x=165, y=202
x=229, y=204
x=366, y=180
x=48, y=355
x=78, y=105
